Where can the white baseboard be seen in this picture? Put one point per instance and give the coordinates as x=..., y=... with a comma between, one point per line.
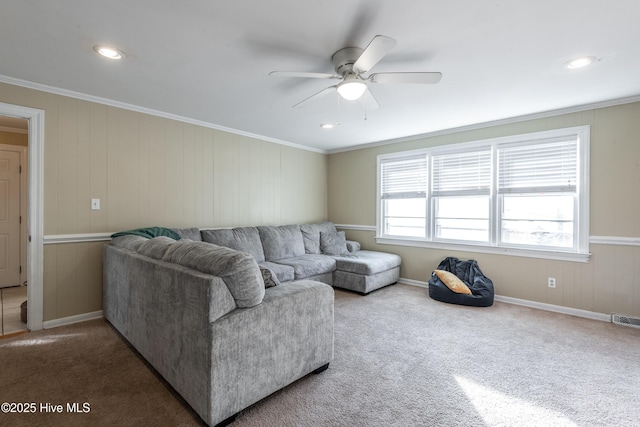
x=555, y=308
x=532, y=304
x=72, y=319
x=414, y=282
x=509, y=300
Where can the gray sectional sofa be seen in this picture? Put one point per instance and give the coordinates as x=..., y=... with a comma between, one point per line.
x=308, y=251
x=230, y=316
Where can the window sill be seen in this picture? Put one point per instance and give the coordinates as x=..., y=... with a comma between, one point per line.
x=529, y=253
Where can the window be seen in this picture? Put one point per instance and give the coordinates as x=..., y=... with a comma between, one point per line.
x=523, y=195
x=404, y=192
x=460, y=192
x=537, y=193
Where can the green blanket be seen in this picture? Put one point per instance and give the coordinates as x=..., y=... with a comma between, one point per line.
x=149, y=233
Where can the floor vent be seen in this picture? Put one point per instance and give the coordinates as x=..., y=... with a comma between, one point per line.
x=625, y=320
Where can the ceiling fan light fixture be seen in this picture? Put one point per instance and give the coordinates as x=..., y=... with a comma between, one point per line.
x=351, y=88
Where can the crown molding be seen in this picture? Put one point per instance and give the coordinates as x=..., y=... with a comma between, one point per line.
x=110, y=102
x=125, y=106
x=510, y=120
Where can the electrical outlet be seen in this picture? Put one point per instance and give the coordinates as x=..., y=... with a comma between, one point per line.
x=552, y=282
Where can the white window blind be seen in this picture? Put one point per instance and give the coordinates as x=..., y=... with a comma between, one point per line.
x=464, y=173
x=545, y=167
x=404, y=178
x=526, y=195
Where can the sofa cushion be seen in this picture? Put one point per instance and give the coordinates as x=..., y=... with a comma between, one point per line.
x=311, y=235
x=284, y=273
x=367, y=262
x=353, y=246
x=243, y=239
x=129, y=241
x=309, y=265
x=280, y=242
x=192, y=233
x=333, y=243
x=238, y=270
x=155, y=248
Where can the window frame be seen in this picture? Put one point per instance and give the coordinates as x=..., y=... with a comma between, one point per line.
x=579, y=252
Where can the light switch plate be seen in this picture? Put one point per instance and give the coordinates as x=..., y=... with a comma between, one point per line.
x=95, y=204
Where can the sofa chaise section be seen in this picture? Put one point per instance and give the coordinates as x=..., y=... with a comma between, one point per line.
x=364, y=271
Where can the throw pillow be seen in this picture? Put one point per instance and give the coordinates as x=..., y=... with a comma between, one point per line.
x=270, y=279
x=333, y=243
x=452, y=282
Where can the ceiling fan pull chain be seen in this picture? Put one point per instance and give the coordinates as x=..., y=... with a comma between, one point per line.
x=364, y=105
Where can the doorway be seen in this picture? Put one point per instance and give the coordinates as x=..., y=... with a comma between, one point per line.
x=32, y=220
x=13, y=219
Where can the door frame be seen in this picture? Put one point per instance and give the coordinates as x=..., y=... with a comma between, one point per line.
x=35, y=217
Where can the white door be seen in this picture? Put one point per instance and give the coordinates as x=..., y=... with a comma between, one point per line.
x=9, y=218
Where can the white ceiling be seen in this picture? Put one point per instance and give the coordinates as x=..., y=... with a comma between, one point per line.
x=208, y=61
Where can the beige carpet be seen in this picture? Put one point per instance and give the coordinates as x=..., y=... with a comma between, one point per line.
x=401, y=359
x=84, y=363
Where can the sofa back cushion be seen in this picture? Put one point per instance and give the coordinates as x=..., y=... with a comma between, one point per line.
x=311, y=235
x=238, y=270
x=192, y=233
x=280, y=242
x=129, y=241
x=155, y=248
x=334, y=243
x=243, y=239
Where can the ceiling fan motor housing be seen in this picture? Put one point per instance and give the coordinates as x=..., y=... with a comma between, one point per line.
x=344, y=59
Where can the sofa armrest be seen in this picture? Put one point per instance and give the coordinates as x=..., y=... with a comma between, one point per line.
x=257, y=351
x=353, y=246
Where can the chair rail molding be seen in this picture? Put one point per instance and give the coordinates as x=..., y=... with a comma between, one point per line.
x=614, y=240
x=594, y=240
x=55, y=239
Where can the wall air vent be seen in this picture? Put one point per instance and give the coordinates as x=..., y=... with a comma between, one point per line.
x=625, y=320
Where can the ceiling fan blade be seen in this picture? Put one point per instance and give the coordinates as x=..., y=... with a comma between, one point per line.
x=304, y=74
x=369, y=101
x=419, y=78
x=373, y=53
x=313, y=97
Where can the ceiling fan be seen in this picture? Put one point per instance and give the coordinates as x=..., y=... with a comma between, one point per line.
x=351, y=63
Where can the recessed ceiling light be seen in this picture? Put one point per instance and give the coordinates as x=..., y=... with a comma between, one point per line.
x=580, y=62
x=109, y=52
x=326, y=126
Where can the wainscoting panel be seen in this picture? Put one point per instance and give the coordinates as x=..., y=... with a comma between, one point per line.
x=609, y=282
x=72, y=279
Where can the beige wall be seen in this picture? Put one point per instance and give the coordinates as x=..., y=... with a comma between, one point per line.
x=147, y=171
x=153, y=171
x=610, y=282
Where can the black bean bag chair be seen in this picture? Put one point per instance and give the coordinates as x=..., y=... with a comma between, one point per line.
x=481, y=286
